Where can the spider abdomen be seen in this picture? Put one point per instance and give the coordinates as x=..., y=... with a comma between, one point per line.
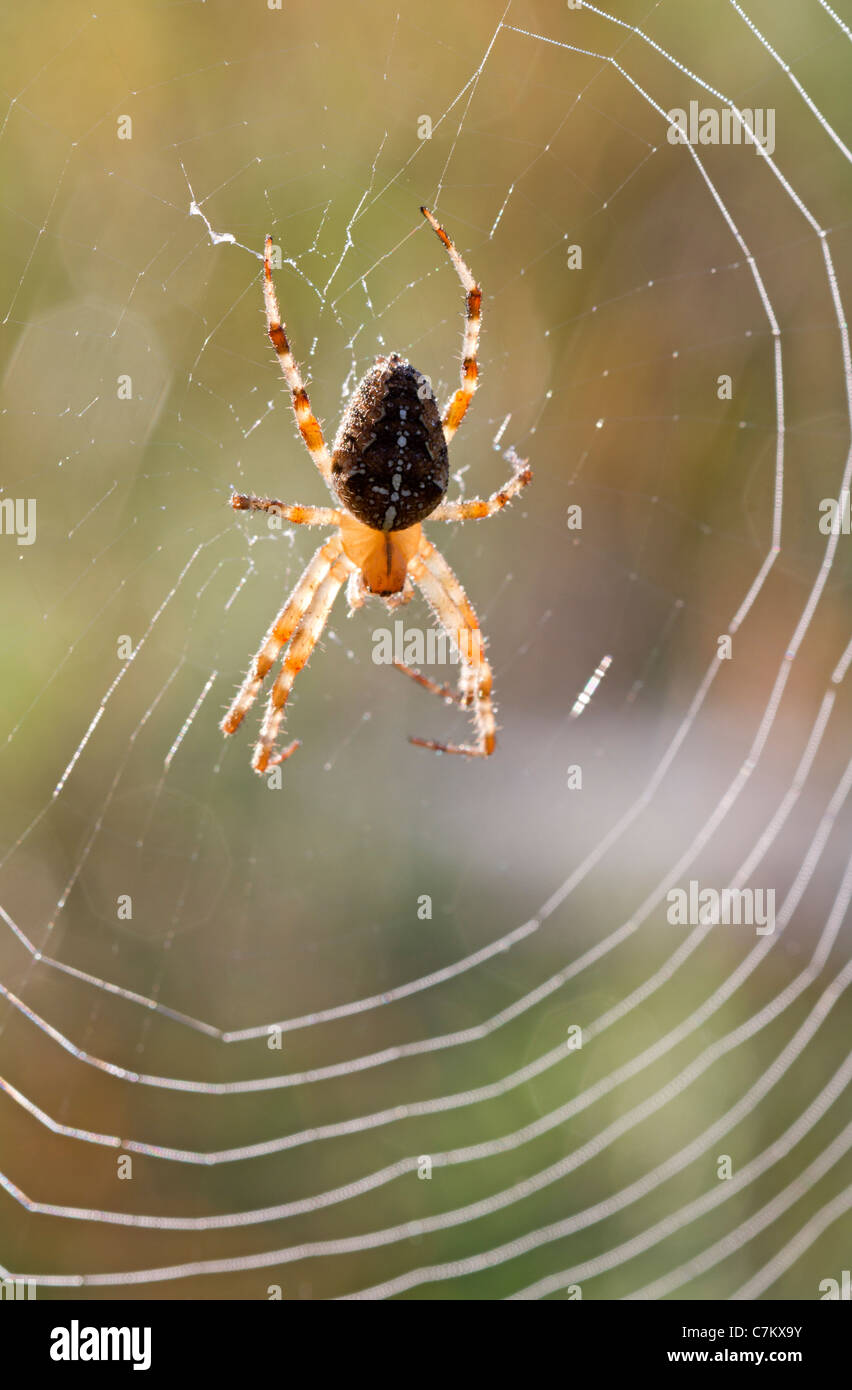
x=390, y=465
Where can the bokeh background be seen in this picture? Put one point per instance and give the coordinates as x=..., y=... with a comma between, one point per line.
x=252, y=904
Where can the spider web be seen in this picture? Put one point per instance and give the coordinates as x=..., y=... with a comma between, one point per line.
x=334, y=1025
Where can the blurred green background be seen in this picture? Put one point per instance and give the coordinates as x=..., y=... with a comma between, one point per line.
x=251, y=904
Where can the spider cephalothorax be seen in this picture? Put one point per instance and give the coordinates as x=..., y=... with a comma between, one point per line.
x=389, y=470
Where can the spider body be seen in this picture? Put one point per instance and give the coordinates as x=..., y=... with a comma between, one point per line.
x=381, y=559
x=389, y=470
x=390, y=464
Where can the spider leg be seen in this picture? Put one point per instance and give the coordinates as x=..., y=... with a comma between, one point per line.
x=457, y=407
x=281, y=631
x=289, y=511
x=399, y=600
x=449, y=603
x=476, y=507
x=308, y=423
x=445, y=691
x=355, y=595
x=302, y=643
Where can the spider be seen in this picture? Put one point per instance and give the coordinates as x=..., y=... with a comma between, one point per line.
x=388, y=470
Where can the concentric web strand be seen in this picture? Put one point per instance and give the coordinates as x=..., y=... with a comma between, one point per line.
x=388, y=1024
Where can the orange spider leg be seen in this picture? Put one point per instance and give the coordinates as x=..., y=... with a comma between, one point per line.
x=299, y=514
x=457, y=408
x=449, y=603
x=302, y=643
x=476, y=507
x=438, y=566
x=281, y=631
x=308, y=423
x=445, y=691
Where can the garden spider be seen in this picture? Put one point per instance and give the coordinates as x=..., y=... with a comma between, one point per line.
x=388, y=469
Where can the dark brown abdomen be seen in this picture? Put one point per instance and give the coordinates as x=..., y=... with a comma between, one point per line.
x=390, y=466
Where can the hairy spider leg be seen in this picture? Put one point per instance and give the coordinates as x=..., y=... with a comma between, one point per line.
x=308, y=423
x=296, y=657
x=282, y=630
x=457, y=407
x=300, y=514
x=446, y=577
x=449, y=603
x=476, y=507
x=446, y=692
